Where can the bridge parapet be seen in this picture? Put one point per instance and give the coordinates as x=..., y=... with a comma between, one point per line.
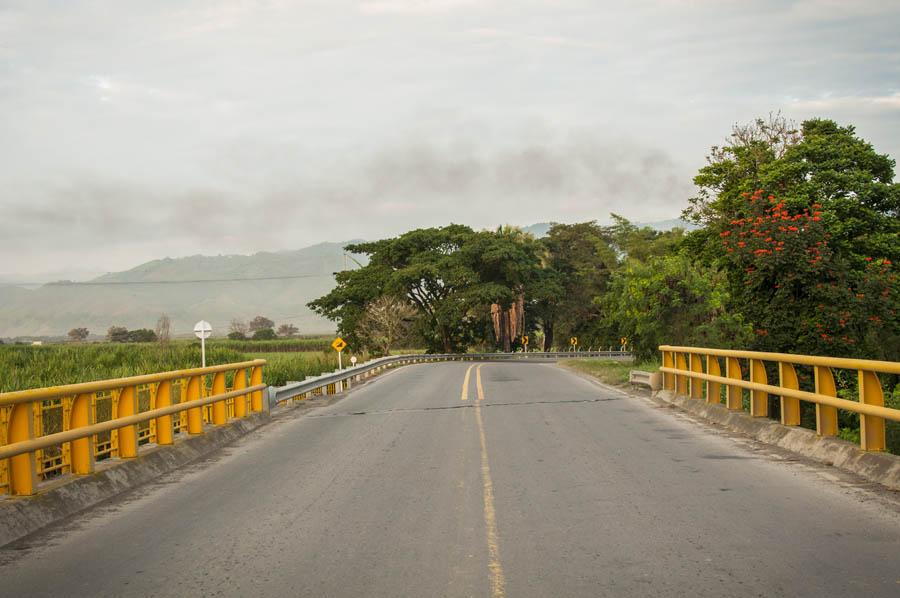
x=697, y=373
x=66, y=429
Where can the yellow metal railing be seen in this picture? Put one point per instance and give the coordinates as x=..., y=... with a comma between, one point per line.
x=696, y=372
x=45, y=432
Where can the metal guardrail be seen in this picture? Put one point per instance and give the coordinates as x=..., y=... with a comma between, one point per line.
x=64, y=429
x=697, y=372
x=321, y=383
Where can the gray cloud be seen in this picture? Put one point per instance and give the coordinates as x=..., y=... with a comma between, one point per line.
x=136, y=131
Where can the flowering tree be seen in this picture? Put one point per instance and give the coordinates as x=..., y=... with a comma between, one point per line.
x=798, y=292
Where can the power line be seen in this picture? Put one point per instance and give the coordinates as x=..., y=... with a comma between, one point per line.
x=67, y=283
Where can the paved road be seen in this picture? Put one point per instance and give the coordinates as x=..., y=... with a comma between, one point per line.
x=538, y=484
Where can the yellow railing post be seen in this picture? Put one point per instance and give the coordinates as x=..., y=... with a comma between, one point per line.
x=826, y=416
x=669, y=362
x=219, y=415
x=22, y=468
x=256, y=398
x=164, y=434
x=734, y=395
x=696, y=384
x=713, y=389
x=681, y=380
x=240, y=403
x=82, y=449
x=127, y=435
x=871, y=427
x=195, y=414
x=759, y=400
x=790, y=407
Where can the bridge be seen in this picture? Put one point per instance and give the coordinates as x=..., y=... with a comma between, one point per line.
x=458, y=476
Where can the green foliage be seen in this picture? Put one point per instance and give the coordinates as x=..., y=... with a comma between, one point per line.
x=264, y=334
x=612, y=372
x=671, y=300
x=78, y=334
x=117, y=334
x=141, y=335
x=48, y=365
x=282, y=368
x=317, y=343
x=783, y=261
x=448, y=274
x=260, y=323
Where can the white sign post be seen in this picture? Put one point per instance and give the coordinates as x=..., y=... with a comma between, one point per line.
x=203, y=330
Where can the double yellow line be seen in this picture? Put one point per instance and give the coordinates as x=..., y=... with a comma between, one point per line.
x=498, y=580
x=465, y=387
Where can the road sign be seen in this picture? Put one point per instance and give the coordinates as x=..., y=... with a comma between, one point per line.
x=353, y=360
x=338, y=344
x=573, y=341
x=623, y=341
x=203, y=330
x=525, y=340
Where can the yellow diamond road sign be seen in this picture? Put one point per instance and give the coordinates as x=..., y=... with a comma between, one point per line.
x=338, y=344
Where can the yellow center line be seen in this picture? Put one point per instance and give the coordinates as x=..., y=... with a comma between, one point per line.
x=478, y=382
x=465, y=389
x=498, y=581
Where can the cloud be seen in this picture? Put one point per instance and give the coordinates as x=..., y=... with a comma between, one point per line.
x=137, y=131
x=418, y=6
x=828, y=104
x=546, y=40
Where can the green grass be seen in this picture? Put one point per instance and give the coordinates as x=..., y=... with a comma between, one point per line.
x=610, y=372
x=289, y=345
x=27, y=366
x=282, y=368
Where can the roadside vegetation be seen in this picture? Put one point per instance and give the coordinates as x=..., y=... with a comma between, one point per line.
x=611, y=372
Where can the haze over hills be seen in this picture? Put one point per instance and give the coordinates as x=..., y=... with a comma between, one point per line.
x=217, y=288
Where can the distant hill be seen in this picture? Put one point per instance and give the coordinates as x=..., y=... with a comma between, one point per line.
x=215, y=288
x=542, y=228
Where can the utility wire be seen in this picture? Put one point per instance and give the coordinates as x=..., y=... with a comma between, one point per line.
x=100, y=283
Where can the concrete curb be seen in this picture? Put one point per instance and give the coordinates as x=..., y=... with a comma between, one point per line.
x=881, y=468
x=69, y=495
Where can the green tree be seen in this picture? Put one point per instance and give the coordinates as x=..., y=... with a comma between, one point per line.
x=502, y=263
x=260, y=323
x=141, y=335
x=578, y=261
x=117, y=334
x=671, y=300
x=78, y=334
x=819, y=163
x=422, y=265
x=264, y=334
x=806, y=223
x=800, y=294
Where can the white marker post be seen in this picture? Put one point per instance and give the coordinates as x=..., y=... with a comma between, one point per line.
x=203, y=330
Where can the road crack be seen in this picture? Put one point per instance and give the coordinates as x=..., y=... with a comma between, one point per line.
x=468, y=406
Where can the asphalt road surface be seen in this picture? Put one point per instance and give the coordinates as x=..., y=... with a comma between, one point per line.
x=459, y=479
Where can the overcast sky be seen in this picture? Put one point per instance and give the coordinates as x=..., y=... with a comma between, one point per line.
x=132, y=131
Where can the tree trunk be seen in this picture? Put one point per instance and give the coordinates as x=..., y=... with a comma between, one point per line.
x=445, y=340
x=504, y=330
x=548, y=334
